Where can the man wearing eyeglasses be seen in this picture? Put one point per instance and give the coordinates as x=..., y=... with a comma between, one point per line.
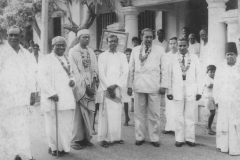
x=84, y=63
x=57, y=82
x=113, y=73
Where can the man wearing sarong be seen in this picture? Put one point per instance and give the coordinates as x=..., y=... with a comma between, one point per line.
x=84, y=63
x=56, y=82
x=184, y=89
x=113, y=73
x=17, y=83
x=148, y=76
x=226, y=93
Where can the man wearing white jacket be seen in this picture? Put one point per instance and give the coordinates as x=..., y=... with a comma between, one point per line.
x=148, y=76
x=184, y=90
x=56, y=82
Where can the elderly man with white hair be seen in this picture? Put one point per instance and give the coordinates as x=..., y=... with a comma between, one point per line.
x=84, y=63
x=56, y=82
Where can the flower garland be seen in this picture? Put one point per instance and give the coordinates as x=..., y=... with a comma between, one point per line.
x=184, y=68
x=87, y=61
x=143, y=58
x=66, y=68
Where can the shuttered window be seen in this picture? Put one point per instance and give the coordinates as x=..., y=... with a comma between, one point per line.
x=146, y=19
x=103, y=20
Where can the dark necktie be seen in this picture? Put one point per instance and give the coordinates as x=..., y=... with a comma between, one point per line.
x=146, y=49
x=183, y=60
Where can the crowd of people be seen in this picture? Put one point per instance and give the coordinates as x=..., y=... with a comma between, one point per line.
x=75, y=86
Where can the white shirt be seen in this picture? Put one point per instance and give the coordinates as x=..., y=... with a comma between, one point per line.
x=113, y=69
x=194, y=48
x=208, y=92
x=163, y=44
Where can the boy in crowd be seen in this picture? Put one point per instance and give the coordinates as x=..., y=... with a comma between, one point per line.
x=135, y=41
x=209, y=101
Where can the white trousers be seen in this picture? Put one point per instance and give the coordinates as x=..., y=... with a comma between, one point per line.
x=65, y=125
x=170, y=115
x=185, y=120
x=147, y=112
x=109, y=121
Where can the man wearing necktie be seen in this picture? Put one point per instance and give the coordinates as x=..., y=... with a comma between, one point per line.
x=148, y=76
x=184, y=90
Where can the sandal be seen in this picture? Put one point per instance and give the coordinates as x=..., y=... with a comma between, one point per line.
x=210, y=132
x=76, y=146
x=104, y=144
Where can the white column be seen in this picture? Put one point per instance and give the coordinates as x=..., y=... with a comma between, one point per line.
x=131, y=23
x=216, y=30
x=231, y=18
x=44, y=33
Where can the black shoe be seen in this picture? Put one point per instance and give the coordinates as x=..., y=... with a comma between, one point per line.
x=18, y=158
x=120, y=142
x=191, y=144
x=178, y=144
x=167, y=132
x=155, y=144
x=138, y=143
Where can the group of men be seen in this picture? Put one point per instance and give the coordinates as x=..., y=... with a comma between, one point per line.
x=68, y=84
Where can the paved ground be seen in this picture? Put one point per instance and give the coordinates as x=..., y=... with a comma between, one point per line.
x=205, y=150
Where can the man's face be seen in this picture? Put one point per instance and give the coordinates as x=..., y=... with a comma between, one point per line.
x=231, y=57
x=112, y=43
x=160, y=34
x=59, y=48
x=182, y=47
x=173, y=44
x=191, y=39
x=135, y=43
x=147, y=38
x=14, y=37
x=184, y=31
x=211, y=73
x=84, y=39
x=97, y=53
x=128, y=55
x=35, y=49
x=203, y=35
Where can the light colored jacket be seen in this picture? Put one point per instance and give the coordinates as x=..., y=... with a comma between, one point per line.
x=152, y=75
x=53, y=79
x=192, y=82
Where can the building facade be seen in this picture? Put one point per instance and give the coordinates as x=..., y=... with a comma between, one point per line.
x=220, y=17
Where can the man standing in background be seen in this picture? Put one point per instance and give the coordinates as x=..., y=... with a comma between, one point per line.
x=194, y=46
x=160, y=40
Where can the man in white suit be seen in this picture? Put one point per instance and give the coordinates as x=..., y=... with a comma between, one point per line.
x=148, y=76
x=184, y=90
